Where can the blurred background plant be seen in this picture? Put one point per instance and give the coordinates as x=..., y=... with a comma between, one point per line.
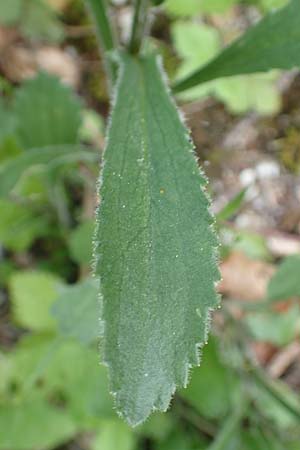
x=53, y=109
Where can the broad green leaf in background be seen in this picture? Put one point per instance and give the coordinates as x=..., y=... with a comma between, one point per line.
x=191, y=7
x=271, y=44
x=77, y=311
x=255, y=92
x=252, y=244
x=10, y=11
x=19, y=226
x=7, y=121
x=285, y=283
x=272, y=4
x=51, y=367
x=50, y=157
x=213, y=387
x=155, y=247
x=48, y=112
x=40, y=22
x=34, y=424
x=114, y=434
x=32, y=294
x=92, y=127
x=195, y=44
x=181, y=439
x=216, y=6
x=30, y=360
x=157, y=427
x=198, y=43
x=80, y=242
x=75, y=372
x=36, y=19
x=183, y=9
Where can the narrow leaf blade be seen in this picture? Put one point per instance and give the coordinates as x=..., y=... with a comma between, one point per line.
x=155, y=247
x=271, y=44
x=51, y=156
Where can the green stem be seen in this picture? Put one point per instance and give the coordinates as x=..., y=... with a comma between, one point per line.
x=99, y=13
x=230, y=425
x=267, y=385
x=185, y=411
x=258, y=374
x=138, y=26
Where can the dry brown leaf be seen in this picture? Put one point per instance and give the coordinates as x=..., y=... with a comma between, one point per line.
x=284, y=359
x=264, y=351
x=60, y=63
x=19, y=63
x=58, y=5
x=245, y=278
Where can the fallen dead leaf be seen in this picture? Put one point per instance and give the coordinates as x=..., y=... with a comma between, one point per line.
x=19, y=63
x=60, y=63
x=244, y=278
x=264, y=351
x=58, y=5
x=284, y=359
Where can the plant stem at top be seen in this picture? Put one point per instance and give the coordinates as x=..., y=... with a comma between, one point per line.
x=138, y=26
x=98, y=10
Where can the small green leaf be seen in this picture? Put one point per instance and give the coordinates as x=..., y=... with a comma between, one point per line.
x=32, y=295
x=47, y=111
x=77, y=311
x=11, y=171
x=155, y=246
x=285, y=283
x=232, y=206
x=80, y=242
x=20, y=226
x=260, y=49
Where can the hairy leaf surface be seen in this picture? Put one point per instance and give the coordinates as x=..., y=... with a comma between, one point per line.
x=274, y=43
x=155, y=247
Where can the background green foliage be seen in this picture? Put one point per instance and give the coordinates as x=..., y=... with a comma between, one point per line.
x=54, y=394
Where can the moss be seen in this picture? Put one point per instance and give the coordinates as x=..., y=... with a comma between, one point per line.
x=290, y=150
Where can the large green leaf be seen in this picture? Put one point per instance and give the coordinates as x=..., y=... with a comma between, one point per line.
x=47, y=111
x=155, y=248
x=271, y=44
x=52, y=156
